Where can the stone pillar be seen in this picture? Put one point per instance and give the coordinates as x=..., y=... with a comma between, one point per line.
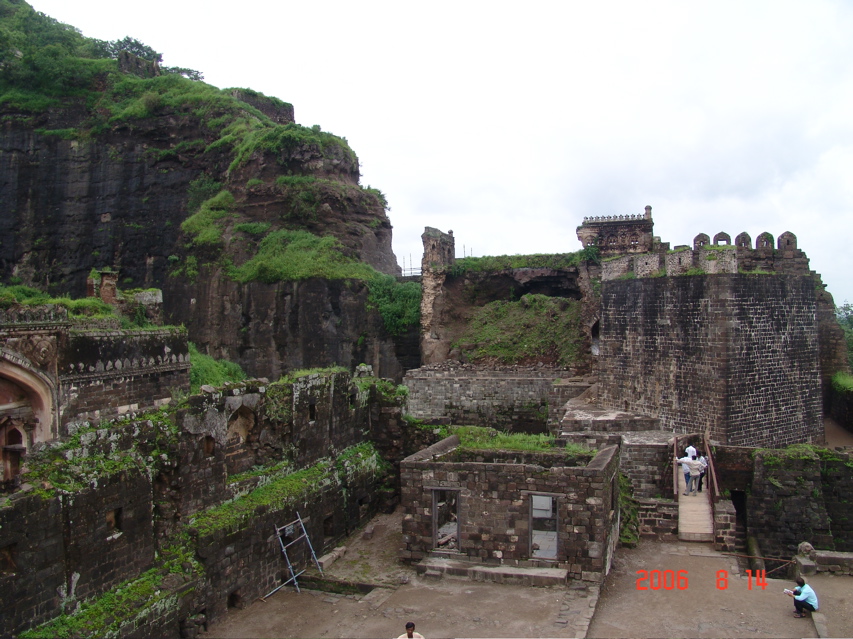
x=109, y=286
x=439, y=256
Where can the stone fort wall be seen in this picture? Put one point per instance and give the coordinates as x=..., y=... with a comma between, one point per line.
x=733, y=355
x=514, y=399
x=187, y=488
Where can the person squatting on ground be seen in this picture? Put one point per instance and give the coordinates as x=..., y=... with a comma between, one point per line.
x=804, y=598
x=694, y=469
x=410, y=632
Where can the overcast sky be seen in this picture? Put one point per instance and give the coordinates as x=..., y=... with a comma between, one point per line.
x=509, y=123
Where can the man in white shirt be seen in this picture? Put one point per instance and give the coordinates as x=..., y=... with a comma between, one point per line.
x=694, y=468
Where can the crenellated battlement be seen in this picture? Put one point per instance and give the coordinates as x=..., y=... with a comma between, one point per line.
x=710, y=257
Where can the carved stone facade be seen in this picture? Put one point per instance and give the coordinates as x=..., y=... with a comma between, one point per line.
x=54, y=372
x=618, y=234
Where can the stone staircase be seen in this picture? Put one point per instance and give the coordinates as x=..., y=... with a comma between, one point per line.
x=440, y=567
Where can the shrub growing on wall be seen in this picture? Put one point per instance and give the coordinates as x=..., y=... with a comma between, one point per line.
x=536, y=327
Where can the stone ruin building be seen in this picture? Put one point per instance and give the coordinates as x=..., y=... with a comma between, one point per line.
x=723, y=345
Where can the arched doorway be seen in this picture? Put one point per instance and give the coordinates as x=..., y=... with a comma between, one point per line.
x=29, y=396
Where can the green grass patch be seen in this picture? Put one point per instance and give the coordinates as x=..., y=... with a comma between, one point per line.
x=203, y=225
x=205, y=370
x=253, y=228
x=493, y=264
x=291, y=490
x=484, y=438
x=535, y=327
x=130, y=601
x=842, y=382
x=285, y=256
x=399, y=303
x=694, y=270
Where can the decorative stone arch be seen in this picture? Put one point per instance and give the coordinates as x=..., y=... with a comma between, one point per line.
x=39, y=391
x=786, y=241
x=722, y=238
x=701, y=240
x=765, y=240
x=241, y=423
x=743, y=240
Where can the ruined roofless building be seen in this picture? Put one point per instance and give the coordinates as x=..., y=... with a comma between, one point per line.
x=618, y=234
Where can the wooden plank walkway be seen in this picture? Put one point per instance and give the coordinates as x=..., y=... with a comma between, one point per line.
x=695, y=521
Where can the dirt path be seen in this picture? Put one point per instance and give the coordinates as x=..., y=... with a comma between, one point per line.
x=459, y=608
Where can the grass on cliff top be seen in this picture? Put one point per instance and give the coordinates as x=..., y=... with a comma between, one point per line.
x=490, y=264
x=535, y=327
x=285, y=256
x=43, y=62
x=205, y=370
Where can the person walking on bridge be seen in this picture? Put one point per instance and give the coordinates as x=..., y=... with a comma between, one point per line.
x=694, y=467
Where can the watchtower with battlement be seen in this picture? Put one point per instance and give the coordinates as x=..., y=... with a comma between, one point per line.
x=619, y=234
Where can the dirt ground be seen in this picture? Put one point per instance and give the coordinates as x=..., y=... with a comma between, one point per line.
x=459, y=608
x=703, y=609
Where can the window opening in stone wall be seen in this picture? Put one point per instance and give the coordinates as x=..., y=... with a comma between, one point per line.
x=445, y=519
x=114, y=523
x=596, y=341
x=328, y=530
x=543, y=527
x=363, y=506
x=312, y=412
x=7, y=560
x=352, y=399
x=209, y=446
x=235, y=600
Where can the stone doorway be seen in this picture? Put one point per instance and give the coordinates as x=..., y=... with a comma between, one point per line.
x=543, y=526
x=445, y=519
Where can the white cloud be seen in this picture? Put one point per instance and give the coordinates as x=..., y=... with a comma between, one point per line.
x=508, y=124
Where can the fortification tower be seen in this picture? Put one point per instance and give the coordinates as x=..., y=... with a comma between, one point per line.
x=618, y=234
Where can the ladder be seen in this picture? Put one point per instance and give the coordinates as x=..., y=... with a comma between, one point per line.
x=297, y=526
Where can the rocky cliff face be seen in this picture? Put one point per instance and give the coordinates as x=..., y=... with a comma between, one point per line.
x=86, y=187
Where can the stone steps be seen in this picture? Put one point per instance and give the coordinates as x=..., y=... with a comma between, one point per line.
x=436, y=568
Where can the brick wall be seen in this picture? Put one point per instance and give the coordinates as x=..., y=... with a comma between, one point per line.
x=786, y=505
x=658, y=518
x=736, y=355
x=837, y=479
x=495, y=504
x=514, y=400
x=108, y=373
x=33, y=575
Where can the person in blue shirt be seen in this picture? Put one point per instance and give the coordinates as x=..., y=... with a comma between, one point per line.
x=804, y=598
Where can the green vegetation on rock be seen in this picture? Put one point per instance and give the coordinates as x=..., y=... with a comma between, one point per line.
x=286, y=256
x=496, y=263
x=205, y=370
x=535, y=328
x=399, y=303
x=127, y=605
x=203, y=225
x=844, y=315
